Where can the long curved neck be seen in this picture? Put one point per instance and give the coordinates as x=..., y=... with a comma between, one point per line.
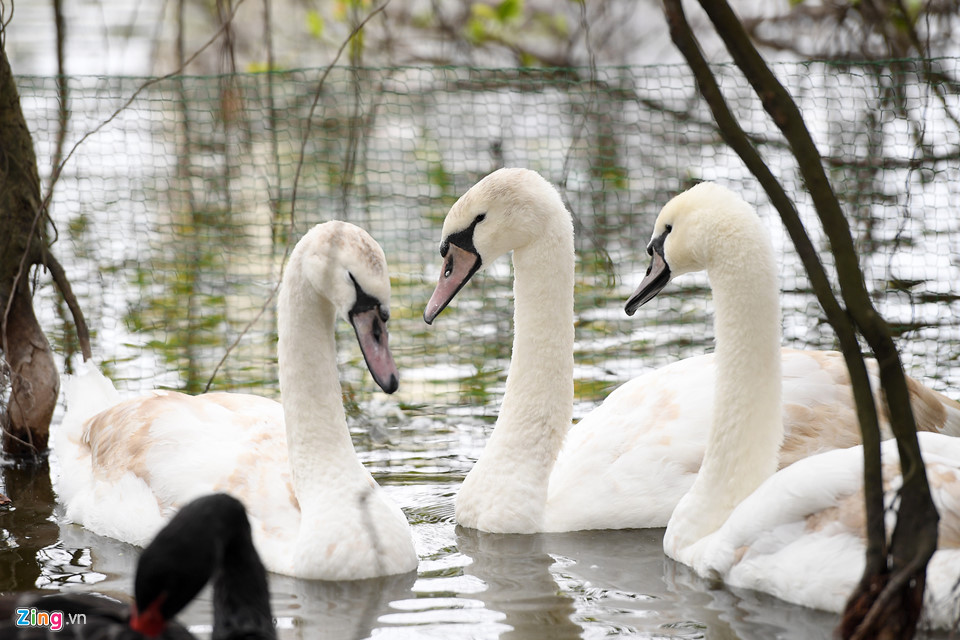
x=317, y=435
x=743, y=445
x=537, y=407
x=240, y=593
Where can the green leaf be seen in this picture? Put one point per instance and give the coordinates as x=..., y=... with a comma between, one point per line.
x=509, y=10
x=482, y=11
x=476, y=31
x=315, y=24
x=259, y=67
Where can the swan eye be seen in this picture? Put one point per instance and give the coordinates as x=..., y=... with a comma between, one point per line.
x=480, y=218
x=448, y=267
x=669, y=228
x=364, y=301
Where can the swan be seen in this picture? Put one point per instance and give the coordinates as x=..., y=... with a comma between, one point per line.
x=628, y=462
x=208, y=538
x=797, y=533
x=316, y=512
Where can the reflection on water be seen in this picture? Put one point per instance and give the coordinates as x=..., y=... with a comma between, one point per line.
x=516, y=572
x=591, y=584
x=335, y=610
x=30, y=553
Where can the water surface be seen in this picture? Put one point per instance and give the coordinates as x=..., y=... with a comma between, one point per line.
x=469, y=584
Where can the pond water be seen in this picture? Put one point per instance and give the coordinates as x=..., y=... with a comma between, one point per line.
x=469, y=584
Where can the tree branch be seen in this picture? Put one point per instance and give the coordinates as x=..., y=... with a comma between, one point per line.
x=735, y=136
x=917, y=514
x=296, y=182
x=63, y=91
x=63, y=284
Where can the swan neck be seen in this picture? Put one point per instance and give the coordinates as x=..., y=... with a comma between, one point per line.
x=744, y=441
x=241, y=594
x=541, y=363
x=537, y=406
x=317, y=435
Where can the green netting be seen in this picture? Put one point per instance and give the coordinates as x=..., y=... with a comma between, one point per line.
x=175, y=217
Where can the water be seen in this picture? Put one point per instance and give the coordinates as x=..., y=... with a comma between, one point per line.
x=469, y=584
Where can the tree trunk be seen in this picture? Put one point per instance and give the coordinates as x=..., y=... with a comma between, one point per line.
x=34, y=383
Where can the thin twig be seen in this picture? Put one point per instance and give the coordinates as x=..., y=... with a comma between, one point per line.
x=63, y=97
x=594, y=84
x=141, y=89
x=313, y=108
x=5, y=20
x=59, y=170
x=80, y=324
x=29, y=445
x=296, y=182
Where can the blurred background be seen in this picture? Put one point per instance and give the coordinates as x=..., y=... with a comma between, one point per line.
x=175, y=217
x=201, y=138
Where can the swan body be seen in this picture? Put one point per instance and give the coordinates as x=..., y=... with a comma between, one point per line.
x=627, y=463
x=316, y=513
x=642, y=447
x=801, y=536
x=797, y=533
x=208, y=538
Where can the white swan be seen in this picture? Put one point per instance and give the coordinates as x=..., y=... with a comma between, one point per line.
x=797, y=533
x=316, y=512
x=628, y=462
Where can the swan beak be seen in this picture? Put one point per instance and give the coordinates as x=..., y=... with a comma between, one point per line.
x=151, y=621
x=372, y=335
x=658, y=275
x=459, y=265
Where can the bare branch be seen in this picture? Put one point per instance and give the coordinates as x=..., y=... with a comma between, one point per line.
x=33, y=256
x=141, y=89
x=63, y=284
x=5, y=20
x=63, y=113
x=868, y=627
x=916, y=514
x=296, y=181
x=733, y=134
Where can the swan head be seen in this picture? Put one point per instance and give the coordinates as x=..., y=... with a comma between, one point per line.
x=504, y=211
x=344, y=264
x=694, y=229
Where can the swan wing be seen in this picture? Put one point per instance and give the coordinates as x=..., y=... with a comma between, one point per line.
x=627, y=463
x=801, y=535
x=125, y=470
x=819, y=411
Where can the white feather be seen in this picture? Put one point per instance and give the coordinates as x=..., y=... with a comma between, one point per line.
x=127, y=466
x=628, y=462
x=797, y=533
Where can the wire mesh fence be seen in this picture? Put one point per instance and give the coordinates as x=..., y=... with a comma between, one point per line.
x=174, y=219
